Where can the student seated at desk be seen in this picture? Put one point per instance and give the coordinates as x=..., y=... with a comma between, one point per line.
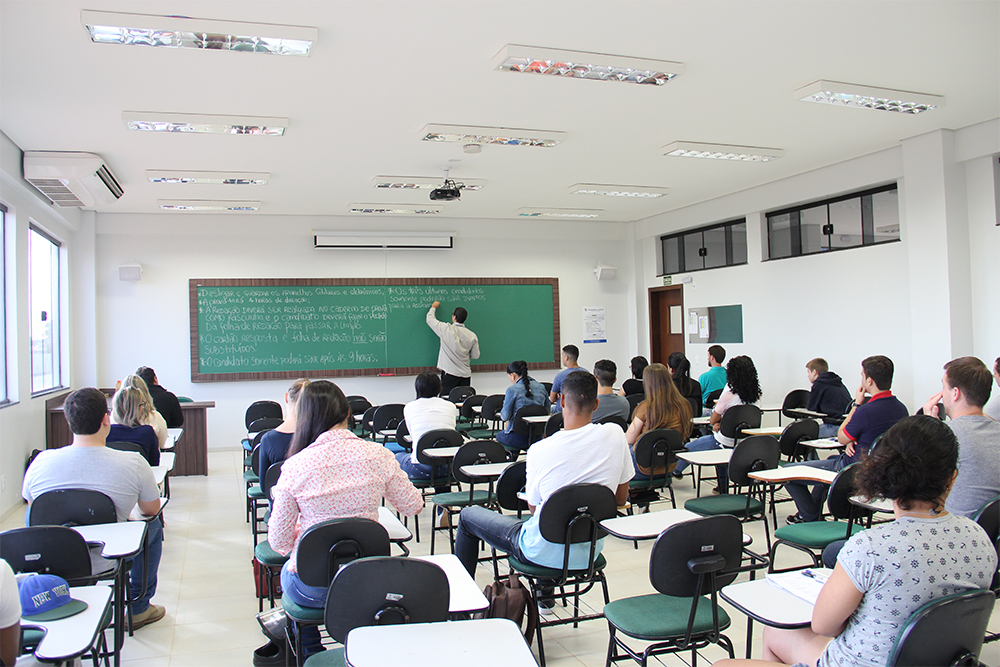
x=608, y=404
x=274, y=444
x=125, y=477
x=148, y=412
x=523, y=390
x=714, y=378
x=166, y=403
x=634, y=384
x=128, y=409
x=428, y=412
x=680, y=371
x=884, y=573
x=664, y=407
x=828, y=395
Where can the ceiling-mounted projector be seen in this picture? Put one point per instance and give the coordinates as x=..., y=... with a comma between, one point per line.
x=450, y=191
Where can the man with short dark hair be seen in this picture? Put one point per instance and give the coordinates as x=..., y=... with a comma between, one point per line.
x=164, y=402
x=582, y=452
x=608, y=403
x=125, y=477
x=459, y=347
x=570, y=354
x=828, y=395
x=714, y=379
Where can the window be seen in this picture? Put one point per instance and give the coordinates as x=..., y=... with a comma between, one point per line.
x=865, y=218
x=724, y=244
x=4, y=394
x=43, y=302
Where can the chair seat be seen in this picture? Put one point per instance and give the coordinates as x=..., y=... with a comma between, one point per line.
x=426, y=483
x=255, y=492
x=541, y=572
x=733, y=504
x=331, y=657
x=815, y=534
x=658, y=483
x=658, y=617
x=461, y=498
x=246, y=444
x=481, y=433
x=250, y=476
x=301, y=614
x=265, y=555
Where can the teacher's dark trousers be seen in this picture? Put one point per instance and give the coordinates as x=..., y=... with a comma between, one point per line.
x=449, y=382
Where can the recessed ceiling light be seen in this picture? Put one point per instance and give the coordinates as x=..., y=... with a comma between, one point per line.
x=868, y=97
x=422, y=183
x=584, y=65
x=559, y=212
x=617, y=190
x=722, y=152
x=181, y=32
x=209, y=177
x=395, y=209
x=154, y=121
x=207, y=205
x=505, y=136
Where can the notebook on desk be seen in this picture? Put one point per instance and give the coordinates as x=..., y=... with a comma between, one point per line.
x=803, y=584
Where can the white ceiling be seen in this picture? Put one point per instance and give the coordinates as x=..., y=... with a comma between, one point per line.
x=380, y=71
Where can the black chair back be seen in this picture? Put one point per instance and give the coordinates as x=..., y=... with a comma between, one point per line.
x=385, y=591
x=402, y=433
x=554, y=424
x=988, y=518
x=761, y=452
x=47, y=550
x=261, y=409
x=491, y=408
x=327, y=546
x=459, y=394
x=657, y=449
x=948, y=631
x=259, y=436
x=687, y=549
x=796, y=432
x=439, y=437
x=633, y=401
x=466, y=411
x=359, y=404
x=366, y=421
x=265, y=424
x=712, y=397
x=522, y=427
x=511, y=482
x=797, y=398
x=573, y=513
x=255, y=460
x=548, y=388
x=271, y=476
x=476, y=452
x=386, y=417
x=614, y=419
x=72, y=507
x=839, y=497
x=126, y=446
x=739, y=417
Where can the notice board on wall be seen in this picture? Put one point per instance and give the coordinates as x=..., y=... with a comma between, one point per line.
x=716, y=324
x=271, y=329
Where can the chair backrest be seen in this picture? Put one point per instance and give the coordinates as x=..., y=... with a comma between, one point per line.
x=263, y=425
x=47, y=550
x=472, y=401
x=366, y=420
x=459, y=394
x=548, y=388
x=712, y=397
x=328, y=545
x=521, y=427
x=261, y=409
x=739, y=417
x=475, y=452
x=947, y=631
x=271, y=476
x=614, y=419
x=796, y=432
x=797, y=398
x=761, y=452
x=387, y=416
x=511, y=482
x=255, y=460
x=439, y=437
x=633, y=401
x=573, y=513
x=72, y=507
x=554, y=424
x=385, y=591
x=359, y=404
x=658, y=448
x=402, y=432
x=839, y=496
x=126, y=446
x=707, y=543
x=988, y=517
x=492, y=406
x=259, y=435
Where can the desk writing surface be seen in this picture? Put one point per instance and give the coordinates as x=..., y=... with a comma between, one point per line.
x=120, y=540
x=793, y=472
x=67, y=638
x=710, y=457
x=464, y=592
x=768, y=604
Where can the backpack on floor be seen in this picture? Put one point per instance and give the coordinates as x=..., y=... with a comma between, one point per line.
x=509, y=599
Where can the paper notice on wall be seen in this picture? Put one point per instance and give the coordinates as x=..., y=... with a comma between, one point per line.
x=692, y=321
x=595, y=326
x=703, y=326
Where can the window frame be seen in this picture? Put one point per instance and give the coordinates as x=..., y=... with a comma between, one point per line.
x=4, y=375
x=727, y=225
x=57, y=310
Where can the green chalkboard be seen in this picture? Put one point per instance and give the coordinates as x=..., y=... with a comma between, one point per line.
x=266, y=329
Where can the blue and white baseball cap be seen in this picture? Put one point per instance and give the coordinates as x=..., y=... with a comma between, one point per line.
x=46, y=597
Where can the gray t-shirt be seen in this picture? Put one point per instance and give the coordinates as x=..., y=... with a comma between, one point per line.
x=899, y=567
x=978, y=479
x=611, y=405
x=123, y=476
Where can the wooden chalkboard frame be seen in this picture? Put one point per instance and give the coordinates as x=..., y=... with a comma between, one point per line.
x=195, y=283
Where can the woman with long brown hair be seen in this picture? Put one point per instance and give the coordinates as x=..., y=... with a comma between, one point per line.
x=664, y=407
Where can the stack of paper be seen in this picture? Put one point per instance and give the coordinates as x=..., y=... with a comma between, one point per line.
x=803, y=584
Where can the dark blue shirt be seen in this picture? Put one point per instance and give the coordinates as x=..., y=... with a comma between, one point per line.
x=144, y=436
x=872, y=420
x=273, y=447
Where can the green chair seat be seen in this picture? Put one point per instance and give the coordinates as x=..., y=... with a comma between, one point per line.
x=255, y=492
x=268, y=556
x=301, y=614
x=659, y=617
x=648, y=483
x=426, y=483
x=461, y=498
x=250, y=476
x=481, y=433
x=732, y=504
x=267, y=515
x=541, y=572
x=815, y=534
x=331, y=657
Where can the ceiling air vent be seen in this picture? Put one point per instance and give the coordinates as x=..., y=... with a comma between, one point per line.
x=72, y=179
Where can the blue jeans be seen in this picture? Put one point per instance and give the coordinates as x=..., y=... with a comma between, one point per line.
x=304, y=596
x=512, y=440
x=810, y=502
x=497, y=530
x=639, y=475
x=394, y=447
x=154, y=545
x=703, y=444
x=423, y=471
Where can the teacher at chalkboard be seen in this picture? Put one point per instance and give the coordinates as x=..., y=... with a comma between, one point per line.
x=458, y=347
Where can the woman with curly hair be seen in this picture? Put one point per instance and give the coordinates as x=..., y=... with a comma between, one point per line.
x=742, y=388
x=875, y=585
x=664, y=407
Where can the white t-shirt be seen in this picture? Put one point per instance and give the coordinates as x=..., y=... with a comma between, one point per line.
x=595, y=453
x=428, y=414
x=727, y=399
x=10, y=600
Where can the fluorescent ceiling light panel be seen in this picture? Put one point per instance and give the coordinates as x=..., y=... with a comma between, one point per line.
x=154, y=121
x=529, y=212
x=422, y=183
x=395, y=209
x=207, y=205
x=867, y=97
x=180, y=32
x=584, y=65
x=722, y=152
x=506, y=136
x=631, y=191
x=208, y=177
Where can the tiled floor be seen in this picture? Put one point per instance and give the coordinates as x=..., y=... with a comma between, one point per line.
x=206, y=583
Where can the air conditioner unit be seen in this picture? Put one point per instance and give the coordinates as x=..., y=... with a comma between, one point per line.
x=323, y=239
x=72, y=179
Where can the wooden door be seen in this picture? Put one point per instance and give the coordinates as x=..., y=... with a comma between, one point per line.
x=666, y=322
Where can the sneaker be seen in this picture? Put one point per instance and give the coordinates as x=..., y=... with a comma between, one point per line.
x=677, y=474
x=546, y=607
x=794, y=518
x=152, y=614
x=271, y=654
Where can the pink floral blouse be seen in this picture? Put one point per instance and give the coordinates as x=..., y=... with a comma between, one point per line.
x=340, y=475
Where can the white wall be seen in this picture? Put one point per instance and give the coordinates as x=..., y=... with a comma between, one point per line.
x=147, y=323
